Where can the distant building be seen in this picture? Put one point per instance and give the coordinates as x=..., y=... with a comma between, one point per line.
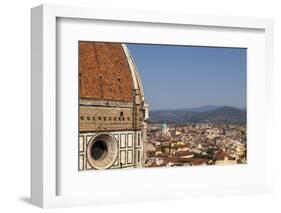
x=164, y=129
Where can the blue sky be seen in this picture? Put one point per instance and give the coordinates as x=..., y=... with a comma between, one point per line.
x=187, y=76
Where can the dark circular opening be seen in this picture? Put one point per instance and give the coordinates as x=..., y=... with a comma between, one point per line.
x=99, y=150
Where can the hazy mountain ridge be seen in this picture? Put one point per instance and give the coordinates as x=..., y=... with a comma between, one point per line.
x=208, y=113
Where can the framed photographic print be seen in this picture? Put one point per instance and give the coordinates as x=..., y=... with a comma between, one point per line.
x=130, y=106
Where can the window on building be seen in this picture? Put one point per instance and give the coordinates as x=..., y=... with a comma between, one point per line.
x=101, y=89
x=138, y=156
x=119, y=86
x=139, y=139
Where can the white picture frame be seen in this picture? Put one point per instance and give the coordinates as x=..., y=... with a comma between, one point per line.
x=44, y=150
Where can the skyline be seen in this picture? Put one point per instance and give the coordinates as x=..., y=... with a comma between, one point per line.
x=176, y=77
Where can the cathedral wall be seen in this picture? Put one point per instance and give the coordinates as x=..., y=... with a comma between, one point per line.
x=130, y=148
x=94, y=118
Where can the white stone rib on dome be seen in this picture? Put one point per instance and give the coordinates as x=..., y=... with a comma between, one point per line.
x=134, y=71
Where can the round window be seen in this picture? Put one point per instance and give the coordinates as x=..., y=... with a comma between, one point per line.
x=99, y=150
x=102, y=151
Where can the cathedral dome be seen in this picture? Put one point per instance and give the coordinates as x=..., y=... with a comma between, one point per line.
x=107, y=72
x=112, y=111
